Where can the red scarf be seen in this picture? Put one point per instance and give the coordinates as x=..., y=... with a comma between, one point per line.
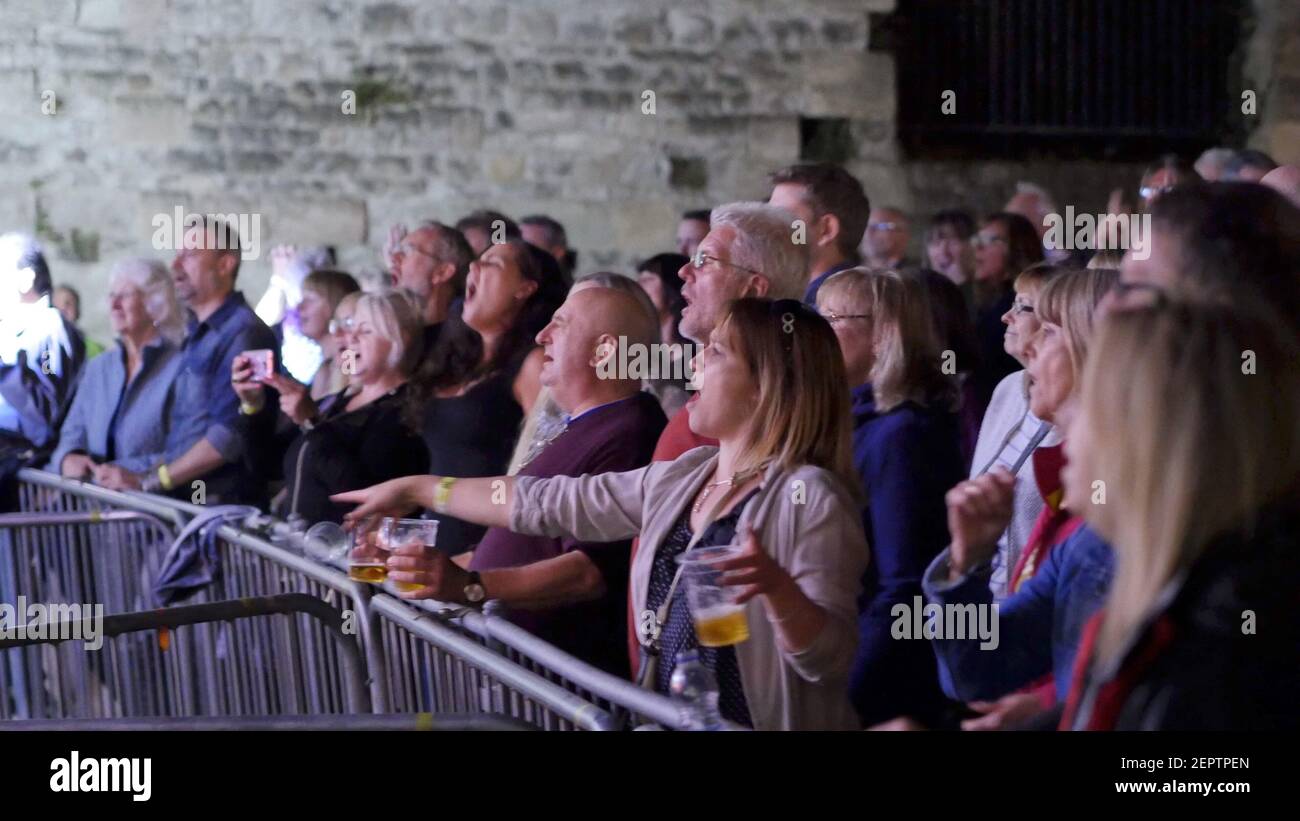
x=1112, y=694
x=1054, y=524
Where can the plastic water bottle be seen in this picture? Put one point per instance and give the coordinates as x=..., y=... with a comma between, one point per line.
x=695, y=687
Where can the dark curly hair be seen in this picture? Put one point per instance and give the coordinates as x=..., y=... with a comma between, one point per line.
x=456, y=358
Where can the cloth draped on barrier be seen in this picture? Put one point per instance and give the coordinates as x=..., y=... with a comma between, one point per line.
x=194, y=561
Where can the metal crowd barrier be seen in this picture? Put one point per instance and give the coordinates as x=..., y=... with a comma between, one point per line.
x=411, y=722
x=425, y=657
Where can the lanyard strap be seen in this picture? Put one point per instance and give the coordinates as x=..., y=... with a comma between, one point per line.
x=651, y=644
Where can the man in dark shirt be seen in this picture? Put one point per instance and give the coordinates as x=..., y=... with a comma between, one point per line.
x=833, y=208
x=571, y=593
x=431, y=262
x=205, y=440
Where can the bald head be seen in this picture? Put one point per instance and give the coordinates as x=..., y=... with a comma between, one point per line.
x=1285, y=179
x=620, y=308
x=581, y=345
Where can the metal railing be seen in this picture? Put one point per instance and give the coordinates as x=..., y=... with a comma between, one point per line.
x=426, y=657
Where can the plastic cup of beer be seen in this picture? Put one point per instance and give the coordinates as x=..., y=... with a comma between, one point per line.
x=719, y=620
x=393, y=533
x=368, y=561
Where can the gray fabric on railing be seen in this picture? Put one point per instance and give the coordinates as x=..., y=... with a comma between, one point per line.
x=194, y=562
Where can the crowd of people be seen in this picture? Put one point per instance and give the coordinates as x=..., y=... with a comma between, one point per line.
x=1099, y=448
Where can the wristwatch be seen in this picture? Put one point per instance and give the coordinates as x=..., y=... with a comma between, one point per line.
x=474, y=592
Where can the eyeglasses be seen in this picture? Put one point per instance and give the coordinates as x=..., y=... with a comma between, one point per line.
x=338, y=326
x=833, y=317
x=883, y=226
x=701, y=259
x=408, y=248
x=1019, y=307
x=1147, y=191
x=980, y=240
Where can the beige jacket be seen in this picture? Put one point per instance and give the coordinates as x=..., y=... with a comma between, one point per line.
x=804, y=518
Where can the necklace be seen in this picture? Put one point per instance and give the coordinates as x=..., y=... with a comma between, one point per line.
x=548, y=430
x=742, y=475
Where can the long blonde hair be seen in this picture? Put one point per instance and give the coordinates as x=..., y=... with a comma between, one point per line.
x=802, y=414
x=906, y=364
x=1070, y=299
x=1192, y=418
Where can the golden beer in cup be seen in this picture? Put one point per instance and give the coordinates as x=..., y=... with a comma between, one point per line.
x=719, y=620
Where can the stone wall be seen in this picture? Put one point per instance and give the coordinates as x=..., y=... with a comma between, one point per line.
x=532, y=105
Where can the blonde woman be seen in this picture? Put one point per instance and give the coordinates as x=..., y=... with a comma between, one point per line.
x=774, y=393
x=356, y=438
x=113, y=424
x=1063, y=574
x=907, y=454
x=1198, y=448
x=1010, y=432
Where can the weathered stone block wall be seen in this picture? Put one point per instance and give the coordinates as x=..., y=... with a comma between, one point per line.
x=532, y=105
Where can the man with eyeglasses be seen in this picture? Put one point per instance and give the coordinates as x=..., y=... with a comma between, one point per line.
x=885, y=243
x=832, y=209
x=431, y=262
x=749, y=251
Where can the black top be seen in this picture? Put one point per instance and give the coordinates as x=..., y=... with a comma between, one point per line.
x=679, y=628
x=347, y=450
x=472, y=435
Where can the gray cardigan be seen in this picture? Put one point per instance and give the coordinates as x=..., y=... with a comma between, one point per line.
x=804, y=518
x=142, y=419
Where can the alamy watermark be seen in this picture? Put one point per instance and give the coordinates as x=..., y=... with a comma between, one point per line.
x=951, y=621
x=637, y=360
x=1098, y=232
x=52, y=622
x=171, y=232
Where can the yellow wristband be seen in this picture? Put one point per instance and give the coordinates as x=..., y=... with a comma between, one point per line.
x=165, y=477
x=442, y=494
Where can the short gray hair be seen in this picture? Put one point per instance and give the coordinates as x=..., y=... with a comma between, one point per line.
x=155, y=283
x=764, y=242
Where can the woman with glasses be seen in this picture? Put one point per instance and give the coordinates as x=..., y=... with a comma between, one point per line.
x=1010, y=431
x=1062, y=576
x=1005, y=245
x=355, y=438
x=907, y=454
x=780, y=484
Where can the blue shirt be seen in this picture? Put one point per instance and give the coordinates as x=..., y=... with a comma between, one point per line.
x=1039, y=626
x=206, y=406
x=138, y=429
x=908, y=457
x=810, y=295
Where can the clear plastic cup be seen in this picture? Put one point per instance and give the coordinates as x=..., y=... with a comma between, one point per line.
x=394, y=533
x=719, y=620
